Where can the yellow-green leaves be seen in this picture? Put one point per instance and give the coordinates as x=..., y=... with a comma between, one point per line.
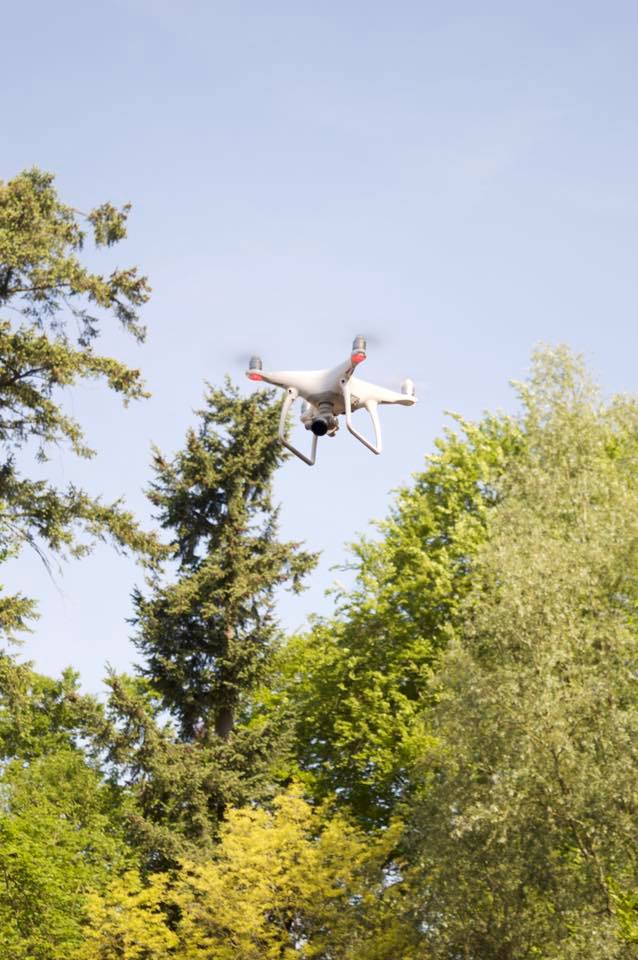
x=289, y=883
x=128, y=921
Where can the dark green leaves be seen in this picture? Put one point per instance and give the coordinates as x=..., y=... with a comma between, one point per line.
x=41, y=274
x=51, y=310
x=208, y=635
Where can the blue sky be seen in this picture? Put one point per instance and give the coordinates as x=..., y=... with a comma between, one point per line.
x=457, y=178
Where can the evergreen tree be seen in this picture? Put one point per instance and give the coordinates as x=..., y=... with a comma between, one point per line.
x=51, y=311
x=207, y=636
x=208, y=632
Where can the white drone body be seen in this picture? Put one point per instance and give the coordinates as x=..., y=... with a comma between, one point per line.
x=327, y=394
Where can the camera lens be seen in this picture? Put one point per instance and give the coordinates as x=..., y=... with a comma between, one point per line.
x=319, y=427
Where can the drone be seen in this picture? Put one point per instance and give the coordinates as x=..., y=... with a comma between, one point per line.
x=327, y=394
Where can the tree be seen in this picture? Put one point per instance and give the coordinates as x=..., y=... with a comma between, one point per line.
x=291, y=882
x=207, y=637
x=61, y=836
x=39, y=714
x=178, y=788
x=128, y=920
x=357, y=682
x=62, y=827
x=51, y=310
x=524, y=833
x=208, y=634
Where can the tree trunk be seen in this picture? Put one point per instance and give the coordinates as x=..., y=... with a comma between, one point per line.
x=224, y=722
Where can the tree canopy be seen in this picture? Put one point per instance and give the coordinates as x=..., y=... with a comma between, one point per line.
x=442, y=766
x=51, y=309
x=527, y=812
x=358, y=681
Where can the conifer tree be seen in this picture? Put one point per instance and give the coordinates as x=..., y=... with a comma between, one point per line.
x=209, y=631
x=207, y=635
x=52, y=308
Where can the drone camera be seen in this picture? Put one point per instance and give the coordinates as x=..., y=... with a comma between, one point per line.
x=254, y=369
x=319, y=426
x=325, y=422
x=358, y=350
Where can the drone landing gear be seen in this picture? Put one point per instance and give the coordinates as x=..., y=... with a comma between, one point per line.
x=371, y=406
x=289, y=398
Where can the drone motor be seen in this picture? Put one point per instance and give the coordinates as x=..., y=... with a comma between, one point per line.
x=255, y=366
x=358, y=354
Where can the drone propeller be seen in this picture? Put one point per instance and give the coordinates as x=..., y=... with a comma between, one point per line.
x=396, y=380
x=241, y=358
x=253, y=361
x=373, y=339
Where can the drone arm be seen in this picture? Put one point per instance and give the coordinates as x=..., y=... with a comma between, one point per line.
x=371, y=406
x=290, y=396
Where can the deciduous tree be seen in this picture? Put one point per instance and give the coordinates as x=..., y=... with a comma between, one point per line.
x=358, y=681
x=289, y=883
x=61, y=836
x=525, y=831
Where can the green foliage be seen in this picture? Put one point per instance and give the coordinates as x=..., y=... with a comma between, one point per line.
x=282, y=884
x=40, y=238
x=53, y=307
x=624, y=904
x=208, y=636
x=356, y=683
x=524, y=834
x=39, y=714
x=177, y=787
x=60, y=837
x=61, y=826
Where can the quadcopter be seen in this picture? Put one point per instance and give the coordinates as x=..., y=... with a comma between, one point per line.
x=326, y=394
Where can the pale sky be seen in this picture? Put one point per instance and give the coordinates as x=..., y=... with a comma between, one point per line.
x=458, y=178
